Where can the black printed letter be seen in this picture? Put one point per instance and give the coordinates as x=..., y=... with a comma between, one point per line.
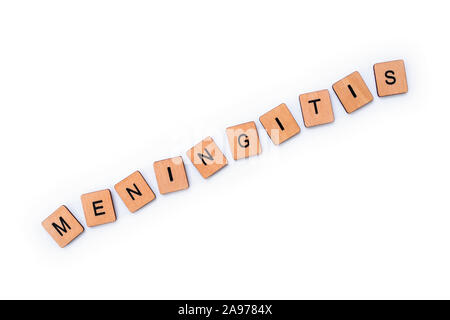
x=351, y=91
x=202, y=156
x=170, y=174
x=130, y=191
x=315, y=105
x=97, y=208
x=279, y=124
x=390, y=75
x=63, y=228
x=247, y=142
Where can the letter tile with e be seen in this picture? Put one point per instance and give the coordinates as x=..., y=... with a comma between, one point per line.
x=98, y=208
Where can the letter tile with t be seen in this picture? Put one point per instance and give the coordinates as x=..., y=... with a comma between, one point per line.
x=316, y=108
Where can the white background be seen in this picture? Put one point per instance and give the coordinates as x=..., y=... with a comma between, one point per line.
x=91, y=91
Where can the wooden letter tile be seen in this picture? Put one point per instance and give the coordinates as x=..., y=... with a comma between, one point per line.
x=244, y=140
x=390, y=78
x=279, y=124
x=207, y=157
x=98, y=208
x=352, y=91
x=134, y=191
x=316, y=108
x=62, y=226
x=171, y=175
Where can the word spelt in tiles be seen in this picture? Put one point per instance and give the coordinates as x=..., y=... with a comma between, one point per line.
x=243, y=139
